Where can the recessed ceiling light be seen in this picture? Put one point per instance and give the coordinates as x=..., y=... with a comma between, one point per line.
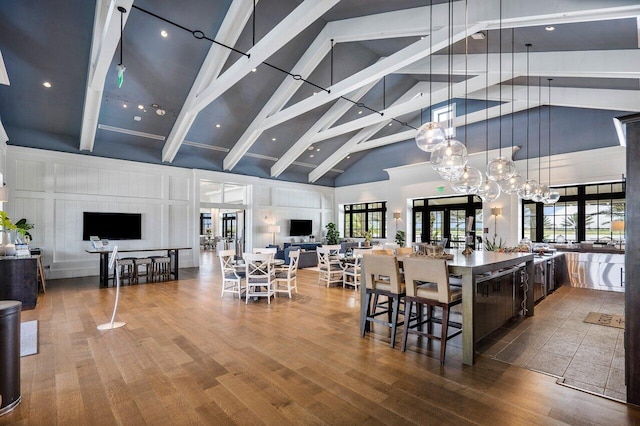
x=311, y=148
x=273, y=139
x=160, y=112
x=422, y=38
x=478, y=36
x=124, y=105
x=254, y=69
x=390, y=124
x=550, y=28
x=155, y=105
x=164, y=34
x=46, y=84
x=348, y=156
x=218, y=125
x=311, y=156
x=359, y=112
x=140, y=106
x=137, y=118
x=318, y=150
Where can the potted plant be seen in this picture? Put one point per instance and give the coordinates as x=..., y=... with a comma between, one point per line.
x=333, y=235
x=23, y=227
x=400, y=238
x=368, y=236
x=7, y=248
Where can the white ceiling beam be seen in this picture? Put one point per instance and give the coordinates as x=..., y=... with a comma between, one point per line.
x=106, y=36
x=414, y=104
x=403, y=23
x=573, y=97
x=388, y=65
x=234, y=22
x=296, y=22
x=474, y=117
x=585, y=63
x=328, y=119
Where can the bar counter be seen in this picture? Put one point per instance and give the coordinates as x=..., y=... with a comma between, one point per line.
x=478, y=265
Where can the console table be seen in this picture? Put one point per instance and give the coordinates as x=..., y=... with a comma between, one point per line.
x=19, y=279
x=172, y=252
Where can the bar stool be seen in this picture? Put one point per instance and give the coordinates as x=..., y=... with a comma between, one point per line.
x=127, y=270
x=427, y=283
x=161, y=267
x=148, y=265
x=382, y=278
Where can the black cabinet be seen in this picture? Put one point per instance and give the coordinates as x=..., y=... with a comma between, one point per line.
x=497, y=300
x=19, y=280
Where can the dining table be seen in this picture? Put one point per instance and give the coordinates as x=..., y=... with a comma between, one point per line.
x=472, y=268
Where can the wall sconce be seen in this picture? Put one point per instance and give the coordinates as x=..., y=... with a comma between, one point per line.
x=274, y=229
x=396, y=216
x=4, y=193
x=495, y=212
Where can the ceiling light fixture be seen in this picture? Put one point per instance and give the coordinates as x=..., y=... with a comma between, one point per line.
x=160, y=112
x=511, y=185
x=489, y=190
x=311, y=156
x=218, y=125
x=124, y=105
x=478, y=36
x=552, y=196
x=273, y=139
x=254, y=69
x=528, y=187
x=46, y=84
x=540, y=190
x=137, y=118
x=311, y=148
x=500, y=169
x=550, y=28
x=164, y=34
x=120, y=67
x=430, y=134
x=318, y=150
x=449, y=157
x=140, y=106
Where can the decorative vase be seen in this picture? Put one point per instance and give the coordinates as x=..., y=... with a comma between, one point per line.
x=7, y=248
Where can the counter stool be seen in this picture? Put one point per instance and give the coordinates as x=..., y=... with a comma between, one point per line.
x=127, y=270
x=148, y=266
x=161, y=267
x=427, y=283
x=382, y=278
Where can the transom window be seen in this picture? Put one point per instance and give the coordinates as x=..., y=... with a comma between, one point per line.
x=365, y=217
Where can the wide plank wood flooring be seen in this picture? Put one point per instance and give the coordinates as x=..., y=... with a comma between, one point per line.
x=187, y=356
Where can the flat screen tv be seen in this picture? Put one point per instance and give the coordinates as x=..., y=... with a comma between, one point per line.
x=300, y=227
x=112, y=226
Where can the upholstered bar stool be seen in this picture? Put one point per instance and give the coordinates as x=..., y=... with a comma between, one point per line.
x=145, y=262
x=127, y=269
x=382, y=278
x=427, y=283
x=161, y=267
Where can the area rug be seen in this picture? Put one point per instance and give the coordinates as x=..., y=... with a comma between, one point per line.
x=29, y=338
x=599, y=318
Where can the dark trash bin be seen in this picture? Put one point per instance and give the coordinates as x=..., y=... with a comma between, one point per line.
x=9, y=355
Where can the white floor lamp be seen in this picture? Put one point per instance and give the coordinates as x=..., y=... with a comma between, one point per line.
x=112, y=264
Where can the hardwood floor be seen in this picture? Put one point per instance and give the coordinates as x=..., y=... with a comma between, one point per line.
x=187, y=356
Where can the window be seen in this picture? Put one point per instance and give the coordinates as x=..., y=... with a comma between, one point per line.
x=205, y=222
x=443, y=115
x=364, y=217
x=445, y=217
x=583, y=213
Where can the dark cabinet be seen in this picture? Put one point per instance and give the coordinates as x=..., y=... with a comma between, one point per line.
x=19, y=280
x=497, y=300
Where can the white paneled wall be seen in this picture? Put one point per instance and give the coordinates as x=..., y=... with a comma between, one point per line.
x=53, y=190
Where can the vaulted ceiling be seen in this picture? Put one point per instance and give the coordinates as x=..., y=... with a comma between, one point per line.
x=321, y=91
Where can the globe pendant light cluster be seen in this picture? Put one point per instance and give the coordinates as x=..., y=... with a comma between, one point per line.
x=449, y=158
x=429, y=135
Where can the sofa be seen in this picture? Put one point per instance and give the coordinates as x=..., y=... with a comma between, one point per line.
x=308, y=255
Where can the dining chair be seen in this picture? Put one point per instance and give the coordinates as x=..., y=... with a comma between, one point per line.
x=266, y=250
x=353, y=270
x=382, y=278
x=259, y=275
x=382, y=250
x=329, y=268
x=404, y=251
x=286, y=275
x=231, y=280
x=427, y=283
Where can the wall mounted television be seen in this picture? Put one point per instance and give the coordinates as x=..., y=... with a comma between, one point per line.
x=112, y=226
x=299, y=227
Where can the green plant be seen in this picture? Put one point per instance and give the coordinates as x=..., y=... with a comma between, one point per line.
x=333, y=235
x=400, y=238
x=5, y=222
x=23, y=227
x=368, y=236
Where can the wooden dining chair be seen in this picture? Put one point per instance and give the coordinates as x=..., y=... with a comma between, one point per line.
x=329, y=268
x=404, y=251
x=287, y=275
x=259, y=276
x=427, y=283
x=382, y=278
x=231, y=280
x=353, y=269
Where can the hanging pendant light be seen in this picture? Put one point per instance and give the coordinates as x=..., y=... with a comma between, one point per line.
x=489, y=191
x=515, y=182
x=540, y=191
x=430, y=134
x=529, y=185
x=552, y=196
x=500, y=168
x=468, y=181
x=450, y=156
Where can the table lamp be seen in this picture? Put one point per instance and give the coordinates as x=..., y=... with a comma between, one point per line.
x=274, y=229
x=618, y=226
